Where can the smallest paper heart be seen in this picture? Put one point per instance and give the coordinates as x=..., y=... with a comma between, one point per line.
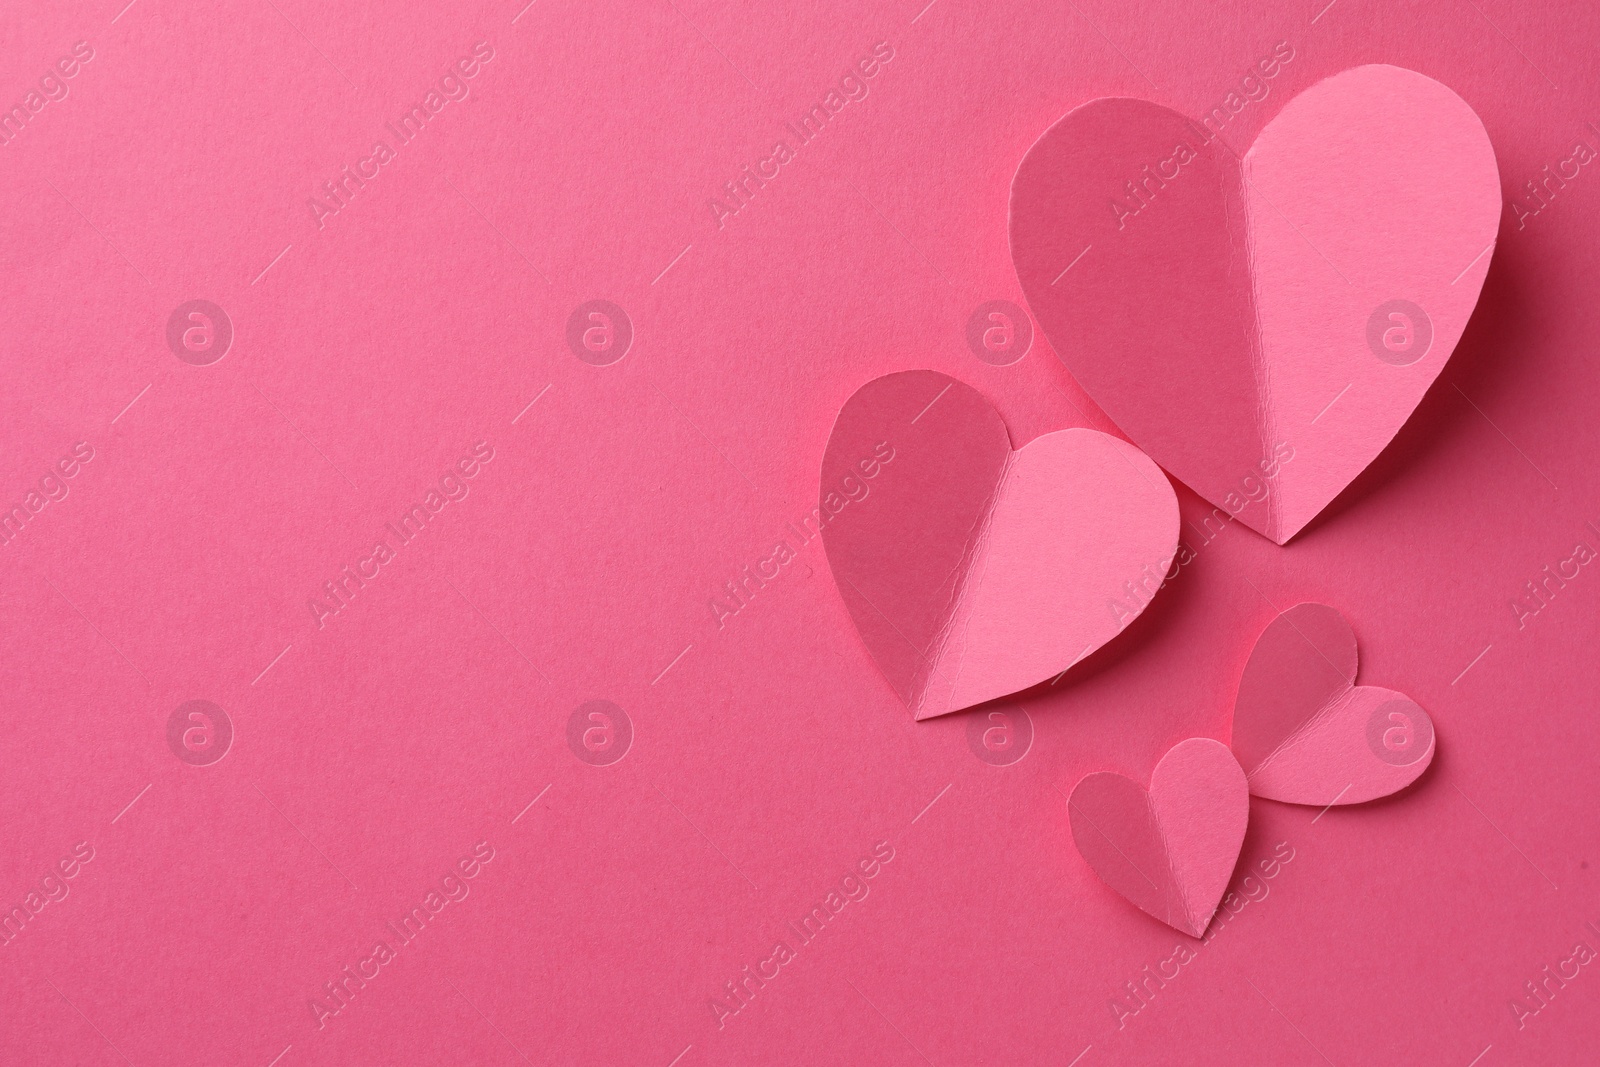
x=1169, y=849
x=1305, y=733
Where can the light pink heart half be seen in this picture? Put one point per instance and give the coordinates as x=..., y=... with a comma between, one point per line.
x=1262, y=327
x=973, y=571
x=1171, y=849
x=1305, y=733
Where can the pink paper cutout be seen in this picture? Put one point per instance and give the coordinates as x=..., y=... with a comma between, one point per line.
x=1171, y=849
x=1306, y=734
x=1236, y=318
x=973, y=571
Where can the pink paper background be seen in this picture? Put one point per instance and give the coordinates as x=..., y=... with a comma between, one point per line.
x=768, y=757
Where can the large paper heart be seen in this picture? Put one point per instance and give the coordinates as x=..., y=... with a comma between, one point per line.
x=1305, y=733
x=1261, y=327
x=1169, y=849
x=973, y=571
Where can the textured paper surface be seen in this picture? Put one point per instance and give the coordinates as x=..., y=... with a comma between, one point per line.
x=973, y=571
x=1233, y=315
x=717, y=765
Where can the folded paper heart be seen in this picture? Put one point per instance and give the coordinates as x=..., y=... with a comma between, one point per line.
x=1261, y=327
x=1305, y=733
x=973, y=571
x=1170, y=849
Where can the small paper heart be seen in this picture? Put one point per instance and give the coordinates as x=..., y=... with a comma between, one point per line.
x=1169, y=849
x=1305, y=733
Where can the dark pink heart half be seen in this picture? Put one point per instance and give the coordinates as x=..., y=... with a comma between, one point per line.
x=1261, y=327
x=1169, y=849
x=1305, y=733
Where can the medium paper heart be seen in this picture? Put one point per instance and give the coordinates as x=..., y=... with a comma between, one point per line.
x=971, y=570
x=1305, y=733
x=1169, y=849
x=1261, y=327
